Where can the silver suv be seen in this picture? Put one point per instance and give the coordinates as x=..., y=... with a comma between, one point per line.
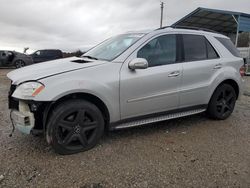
x=128, y=80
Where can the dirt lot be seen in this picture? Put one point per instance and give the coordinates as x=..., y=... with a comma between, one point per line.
x=189, y=152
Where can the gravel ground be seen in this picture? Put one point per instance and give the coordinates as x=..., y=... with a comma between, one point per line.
x=188, y=152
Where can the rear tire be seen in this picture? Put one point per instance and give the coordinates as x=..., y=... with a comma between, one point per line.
x=222, y=102
x=19, y=63
x=74, y=126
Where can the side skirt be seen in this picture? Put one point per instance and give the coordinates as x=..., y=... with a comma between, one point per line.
x=157, y=117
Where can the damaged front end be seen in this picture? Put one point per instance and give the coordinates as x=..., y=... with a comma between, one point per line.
x=26, y=115
x=23, y=119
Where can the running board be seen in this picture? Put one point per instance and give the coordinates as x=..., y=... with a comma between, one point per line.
x=159, y=118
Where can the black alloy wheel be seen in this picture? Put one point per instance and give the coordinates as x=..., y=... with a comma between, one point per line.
x=222, y=102
x=75, y=126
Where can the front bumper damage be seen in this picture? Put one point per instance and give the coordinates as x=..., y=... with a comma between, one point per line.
x=27, y=116
x=23, y=119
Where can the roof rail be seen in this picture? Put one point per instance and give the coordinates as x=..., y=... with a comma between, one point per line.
x=188, y=27
x=193, y=28
x=164, y=27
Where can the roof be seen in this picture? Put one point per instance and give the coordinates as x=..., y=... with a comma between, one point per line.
x=140, y=31
x=218, y=20
x=49, y=49
x=189, y=30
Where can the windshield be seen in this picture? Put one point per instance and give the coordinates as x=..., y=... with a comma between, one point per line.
x=113, y=47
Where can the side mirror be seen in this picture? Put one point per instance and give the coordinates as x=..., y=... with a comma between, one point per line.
x=138, y=63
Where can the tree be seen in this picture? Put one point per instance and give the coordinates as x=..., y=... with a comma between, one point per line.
x=244, y=39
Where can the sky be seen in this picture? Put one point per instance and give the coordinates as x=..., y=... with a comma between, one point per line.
x=72, y=25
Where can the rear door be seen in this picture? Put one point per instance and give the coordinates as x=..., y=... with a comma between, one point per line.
x=57, y=54
x=200, y=63
x=155, y=89
x=51, y=55
x=46, y=55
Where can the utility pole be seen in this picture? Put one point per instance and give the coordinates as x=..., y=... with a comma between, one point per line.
x=162, y=7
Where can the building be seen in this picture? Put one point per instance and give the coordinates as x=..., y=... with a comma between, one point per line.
x=226, y=22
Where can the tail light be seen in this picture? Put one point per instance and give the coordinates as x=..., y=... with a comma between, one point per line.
x=242, y=70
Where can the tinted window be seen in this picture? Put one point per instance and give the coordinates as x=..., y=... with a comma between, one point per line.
x=194, y=47
x=51, y=53
x=159, y=51
x=229, y=45
x=211, y=53
x=48, y=53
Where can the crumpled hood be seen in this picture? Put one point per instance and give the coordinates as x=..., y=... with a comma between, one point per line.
x=49, y=68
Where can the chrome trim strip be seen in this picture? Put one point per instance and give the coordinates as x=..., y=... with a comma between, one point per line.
x=183, y=90
x=153, y=96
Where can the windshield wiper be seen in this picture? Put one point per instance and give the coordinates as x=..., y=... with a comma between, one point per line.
x=90, y=57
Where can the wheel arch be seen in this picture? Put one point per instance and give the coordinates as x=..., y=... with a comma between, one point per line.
x=229, y=81
x=212, y=109
x=233, y=83
x=85, y=96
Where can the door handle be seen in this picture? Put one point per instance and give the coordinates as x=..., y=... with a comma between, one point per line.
x=174, y=74
x=218, y=66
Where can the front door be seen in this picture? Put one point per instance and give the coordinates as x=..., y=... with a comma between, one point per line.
x=155, y=89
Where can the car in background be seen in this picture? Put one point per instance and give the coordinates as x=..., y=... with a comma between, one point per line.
x=14, y=59
x=46, y=55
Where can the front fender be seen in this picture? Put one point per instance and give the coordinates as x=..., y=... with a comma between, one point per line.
x=60, y=88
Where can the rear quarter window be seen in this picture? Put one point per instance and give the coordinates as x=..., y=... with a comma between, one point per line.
x=229, y=45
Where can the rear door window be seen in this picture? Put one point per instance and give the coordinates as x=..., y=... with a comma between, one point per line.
x=197, y=48
x=50, y=53
x=194, y=47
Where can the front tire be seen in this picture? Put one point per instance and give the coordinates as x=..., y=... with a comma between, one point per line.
x=74, y=126
x=222, y=103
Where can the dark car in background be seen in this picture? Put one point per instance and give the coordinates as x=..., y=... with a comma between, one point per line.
x=46, y=55
x=14, y=59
